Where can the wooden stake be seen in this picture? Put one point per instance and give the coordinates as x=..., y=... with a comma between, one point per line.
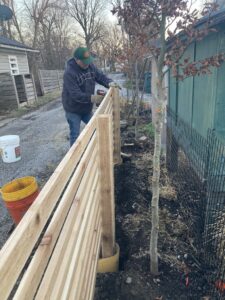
x=105, y=144
x=116, y=130
x=15, y=89
x=34, y=85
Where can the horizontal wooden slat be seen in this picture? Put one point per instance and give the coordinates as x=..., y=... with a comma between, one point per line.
x=9, y=98
x=6, y=86
x=56, y=272
x=82, y=270
x=34, y=273
x=88, y=292
x=108, y=109
x=80, y=251
x=102, y=107
x=20, y=244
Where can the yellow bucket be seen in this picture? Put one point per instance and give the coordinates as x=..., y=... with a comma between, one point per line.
x=109, y=264
x=19, y=189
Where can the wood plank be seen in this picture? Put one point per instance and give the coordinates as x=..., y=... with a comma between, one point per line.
x=105, y=146
x=34, y=273
x=81, y=253
x=93, y=273
x=6, y=81
x=20, y=244
x=82, y=276
x=108, y=106
x=65, y=241
x=116, y=129
x=80, y=261
x=17, y=97
x=103, y=105
x=41, y=82
x=6, y=88
x=50, y=86
x=108, y=109
x=9, y=98
x=50, y=81
x=29, y=85
x=34, y=87
x=25, y=88
x=73, y=251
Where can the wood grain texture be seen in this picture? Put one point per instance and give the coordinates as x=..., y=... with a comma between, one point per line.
x=105, y=146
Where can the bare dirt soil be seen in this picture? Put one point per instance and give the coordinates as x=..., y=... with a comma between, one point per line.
x=181, y=274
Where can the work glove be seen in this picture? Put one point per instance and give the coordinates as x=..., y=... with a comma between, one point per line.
x=115, y=85
x=97, y=99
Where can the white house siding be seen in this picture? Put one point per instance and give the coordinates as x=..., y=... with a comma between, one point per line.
x=21, y=60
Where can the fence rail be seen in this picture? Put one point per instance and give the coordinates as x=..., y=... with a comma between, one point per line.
x=53, y=252
x=51, y=80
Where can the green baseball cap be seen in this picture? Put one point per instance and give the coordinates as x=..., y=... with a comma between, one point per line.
x=83, y=54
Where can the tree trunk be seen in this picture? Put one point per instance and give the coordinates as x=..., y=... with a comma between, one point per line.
x=139, y=101
x=137, y=98
x=159, y=113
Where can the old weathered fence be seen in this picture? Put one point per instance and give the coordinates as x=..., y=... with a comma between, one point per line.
x=53, y=252
x=51, y=80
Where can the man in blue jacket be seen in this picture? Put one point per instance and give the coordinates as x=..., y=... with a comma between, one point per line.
x=79, y=88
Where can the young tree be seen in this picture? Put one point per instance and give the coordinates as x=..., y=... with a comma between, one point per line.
x=168, y=27
x=89, y=15
x=111, y=44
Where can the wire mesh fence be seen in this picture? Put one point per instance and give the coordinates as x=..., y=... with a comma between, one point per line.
x=198, y=166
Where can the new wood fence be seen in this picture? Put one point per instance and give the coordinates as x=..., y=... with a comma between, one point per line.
x=51, y=80
x=53, y=252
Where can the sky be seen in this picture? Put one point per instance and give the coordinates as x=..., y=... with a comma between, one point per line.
x=112, y=18
x=109, y=14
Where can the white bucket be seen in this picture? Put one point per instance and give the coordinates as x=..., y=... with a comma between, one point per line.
x=10, y=148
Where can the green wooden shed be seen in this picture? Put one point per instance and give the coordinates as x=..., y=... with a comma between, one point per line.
x=196, y=145
x=200, y=101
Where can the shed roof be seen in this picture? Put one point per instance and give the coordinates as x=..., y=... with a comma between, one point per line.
x=13, y=44
x=215, y=18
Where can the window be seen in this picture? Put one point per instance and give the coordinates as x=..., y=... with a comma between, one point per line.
x=13, y=65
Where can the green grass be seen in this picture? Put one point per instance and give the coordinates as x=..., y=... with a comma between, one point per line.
x=149, y=130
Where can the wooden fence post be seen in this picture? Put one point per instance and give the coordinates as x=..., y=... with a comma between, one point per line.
x=41, y=82
x=35, y=90
x=116, y=126
x=105, y=146
x=16, y=92
x=58, y=79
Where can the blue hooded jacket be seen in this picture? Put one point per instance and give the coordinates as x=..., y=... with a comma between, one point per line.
x=79, y=85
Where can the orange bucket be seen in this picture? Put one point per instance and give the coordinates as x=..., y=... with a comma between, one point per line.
x=18, y=196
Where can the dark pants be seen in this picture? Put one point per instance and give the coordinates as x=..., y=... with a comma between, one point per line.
x=74, y=121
